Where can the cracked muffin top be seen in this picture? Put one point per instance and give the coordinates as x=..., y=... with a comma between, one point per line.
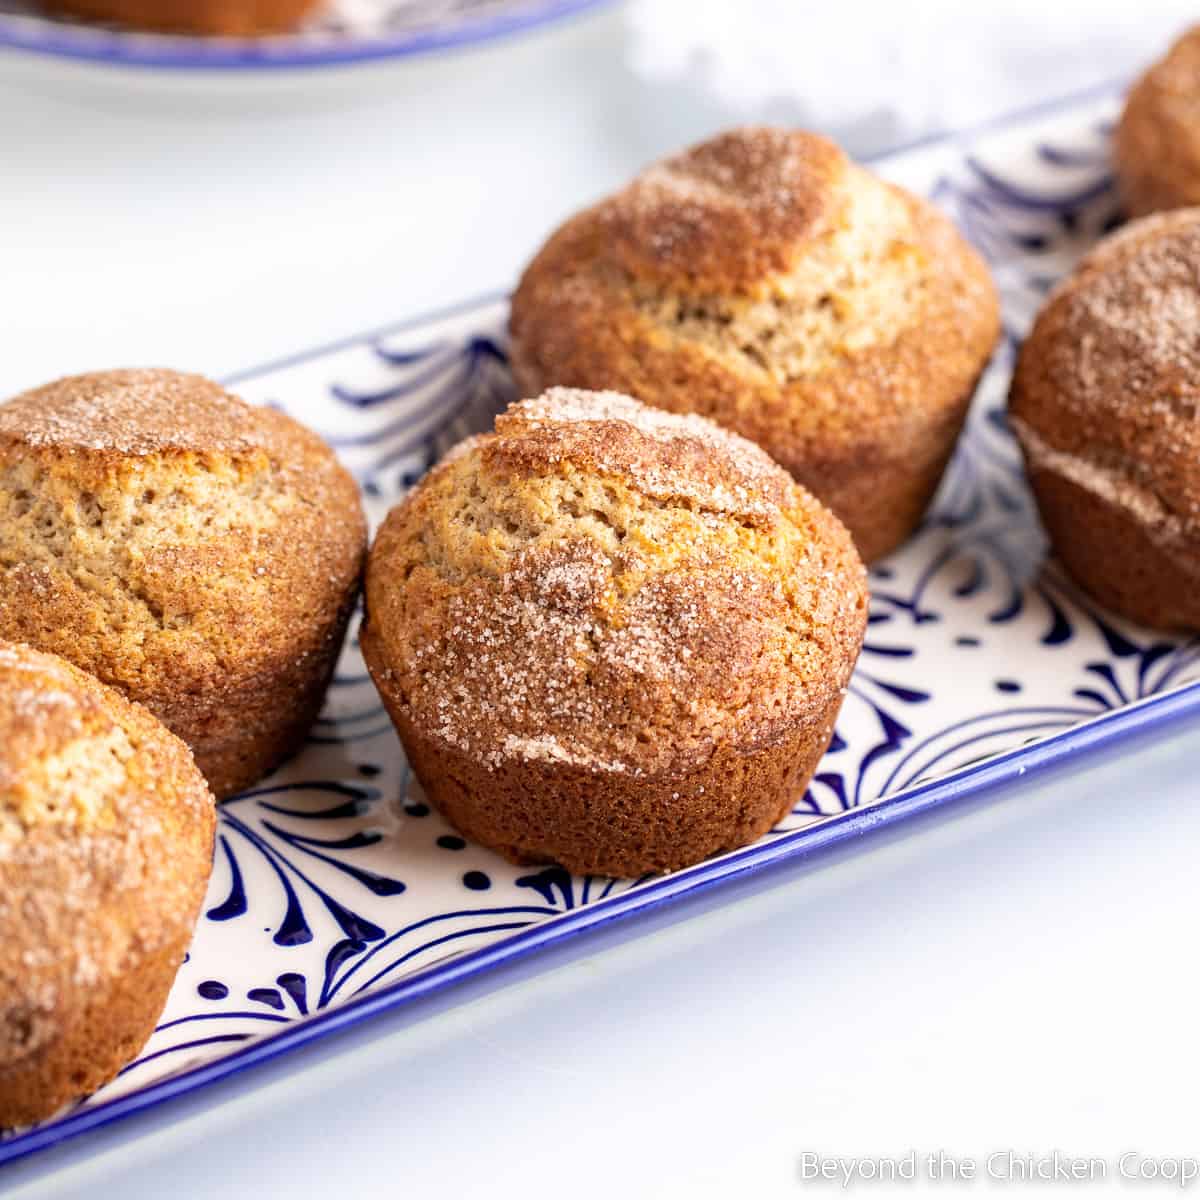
x=765, y=280
x=613, y=586
x=167, y=537
x=106, y=833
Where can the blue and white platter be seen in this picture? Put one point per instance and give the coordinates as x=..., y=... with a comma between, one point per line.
x=338, y=893
x=342, y=33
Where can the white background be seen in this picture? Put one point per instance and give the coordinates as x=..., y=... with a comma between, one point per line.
x=1020, y=975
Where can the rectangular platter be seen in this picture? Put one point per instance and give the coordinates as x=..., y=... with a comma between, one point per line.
x=338, y=894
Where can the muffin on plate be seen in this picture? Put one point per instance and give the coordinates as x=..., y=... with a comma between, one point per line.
x=1157, y=141
x=198, y=553
x=227, y=18
x=764, y=280
x=612, y=637
x=1106, y=405
x=106, y=837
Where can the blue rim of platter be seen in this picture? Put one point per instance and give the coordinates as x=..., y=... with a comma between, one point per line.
x=1152, y=715
x=1083, y=742
x=60, y=39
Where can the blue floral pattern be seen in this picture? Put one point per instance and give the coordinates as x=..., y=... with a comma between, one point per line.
x=335, y=877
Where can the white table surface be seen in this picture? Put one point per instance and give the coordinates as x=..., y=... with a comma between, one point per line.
x=1021, y=975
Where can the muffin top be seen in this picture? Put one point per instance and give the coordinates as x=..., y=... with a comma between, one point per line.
x=162, y=533
x=767, y=256
x=1107, y=385
x=610, y=586
x=1157, y=140
x=106, y=831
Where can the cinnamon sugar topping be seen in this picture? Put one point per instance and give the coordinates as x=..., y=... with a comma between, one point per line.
x=132, y=412
x=609, y=586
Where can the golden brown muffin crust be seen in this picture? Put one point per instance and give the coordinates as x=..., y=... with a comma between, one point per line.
x=1157, y=140
x=1106, y=404
x=106, y=832
x=765, y=281
x=688, y=461
x=139, y=413
x=602, y=585
x=724, y=215
x=191, y=549
x=1110, y=374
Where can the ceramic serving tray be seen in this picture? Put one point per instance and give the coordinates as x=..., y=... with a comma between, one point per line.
x=338, y=893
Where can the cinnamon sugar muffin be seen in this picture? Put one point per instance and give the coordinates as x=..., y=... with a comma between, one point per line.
x=196, y=552
x=612, y=637
x=1157, y=141
x=106, y=836
x=765, y=281
x=228, y=18
x=1106, y=405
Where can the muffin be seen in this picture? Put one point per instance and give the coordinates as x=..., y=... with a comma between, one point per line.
x=612, y=637
x=1105, y=404
x=765, y=281
x=195, y=552
x=1157, y=141
x=106, y=837
x=228, y=18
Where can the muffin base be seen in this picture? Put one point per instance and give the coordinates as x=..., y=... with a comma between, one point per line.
x=1141, y=194
x=246, y=732
x=94, y=1039
x=1111, y=556
x=603, y=822
x=881, y=499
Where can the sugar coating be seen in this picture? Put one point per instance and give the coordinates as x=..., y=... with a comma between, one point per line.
x=1135, y=298
x=106, y=831
x=678, y=456
x=133, y=412
x=177, y=543
x=1107, y=389
x=610, y=586
x=766, y=248
x=857, y=285
x=763, y=280
x=741, y=206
